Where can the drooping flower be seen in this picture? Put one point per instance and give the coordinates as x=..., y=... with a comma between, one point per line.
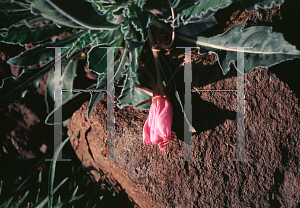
x=157, y=128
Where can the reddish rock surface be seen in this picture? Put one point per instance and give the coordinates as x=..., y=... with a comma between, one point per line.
x=155, y=179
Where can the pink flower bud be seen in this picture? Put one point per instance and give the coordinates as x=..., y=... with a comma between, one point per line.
x=157, y=128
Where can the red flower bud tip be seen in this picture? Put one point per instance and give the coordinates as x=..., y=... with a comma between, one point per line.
x=157, y=128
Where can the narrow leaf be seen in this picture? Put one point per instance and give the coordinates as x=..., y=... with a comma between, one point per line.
x=191, y=128
x=74, y=199
x=31, y=20
x=70, y=106
x=96, y=37
x=1, y=185
x=43, y=8
x=22, y=199
x=75, y=192
x=58, y=200
x=31, y=173
x=72, y=184
x=26, y=35
x=41, y=53
x=83, y=15
x=25, y=179
x=7, y=203
x=13, y=6
x=39, y=187
x=14, y=88
x=45, y=199
x=52, y=172
x=94, y=99
x=10, y=18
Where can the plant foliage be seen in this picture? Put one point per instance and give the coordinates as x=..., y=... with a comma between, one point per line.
x=124, y=25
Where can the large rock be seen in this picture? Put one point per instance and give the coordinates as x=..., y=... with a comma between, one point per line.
x=155, y=179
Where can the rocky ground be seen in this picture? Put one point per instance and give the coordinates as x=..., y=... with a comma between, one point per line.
x=150, y=178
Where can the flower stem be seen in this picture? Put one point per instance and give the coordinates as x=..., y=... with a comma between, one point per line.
x=154, y=51
x=173, y=28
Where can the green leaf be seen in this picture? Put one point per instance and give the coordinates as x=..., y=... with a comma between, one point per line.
x=45, y=200
x=7, y=203
x=39, y=187
x=14, y=88
x=94, y=99
x=25, y=179
x=269, y=48
x=262, y=4
x=177, y=105
x=72, y=184
x=11, y=18
x=82, y=42
x=127, y=96
x=196, y=28
x=41, y=53
x=68, y=75
x=112, y=10
x=106, y=7
x=102, y=81
x=73, y=199
x=99, y=7
x=13, y=6
x=130, y=96
x=191, y=128
x=75, y=192
x=58, y=201
x=97, y=60
x=26, y=35
x=21, y=199
x=96, y=37
x=32, y=20
x=140, y=97
x=188, y=11
x=1, y=185
x=83, y=15
x=130, y=34
x=43, y=8
x=140, y=3
x=139, y=19
x=52, y=172
x=30, y=174
x=70, y=106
